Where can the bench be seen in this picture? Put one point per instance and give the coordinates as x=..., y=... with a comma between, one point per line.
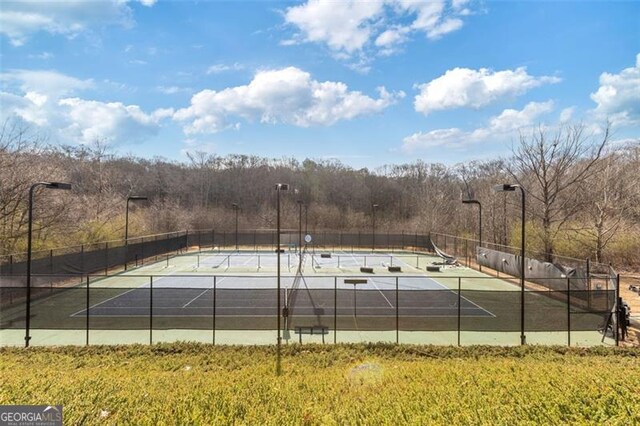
x=311, y=330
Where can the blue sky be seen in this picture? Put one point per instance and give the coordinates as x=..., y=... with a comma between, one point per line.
x=368, y=83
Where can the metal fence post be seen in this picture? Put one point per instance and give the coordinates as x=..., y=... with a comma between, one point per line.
x=106, y=266
x=617, y=310
x=151, y=310
x=214, y=309
x=87, y=312
x=335, y=309
x=588, y=283
x=569, y=311
x=81, y=262
x=397, y=315
x=459, y=306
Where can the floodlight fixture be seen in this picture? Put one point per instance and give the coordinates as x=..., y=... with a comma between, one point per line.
x=49, y=185
x=57, y=185
x=505, y=187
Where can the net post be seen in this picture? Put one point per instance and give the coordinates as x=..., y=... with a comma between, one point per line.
x=459, y=306
x=214, y=311
x=87, y=314
x=151, y=310
x=397, y=315
x=335, y=310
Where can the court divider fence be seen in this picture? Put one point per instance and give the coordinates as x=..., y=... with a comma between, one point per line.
x=393, y=309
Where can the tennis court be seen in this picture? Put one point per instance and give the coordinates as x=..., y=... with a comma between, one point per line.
x=232, y=297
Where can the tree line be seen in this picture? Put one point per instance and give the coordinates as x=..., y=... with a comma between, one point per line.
x=583, y=194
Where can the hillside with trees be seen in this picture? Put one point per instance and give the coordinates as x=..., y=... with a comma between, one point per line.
x=583, y=194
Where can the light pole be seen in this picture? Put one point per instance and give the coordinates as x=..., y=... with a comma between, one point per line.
x=510, y=188
x=374, y=207
x=479, y=221
x=300, y=204
x=236, y=208
x=306, y=219
x=126, y=216
x=279, y=187
x=50, y=185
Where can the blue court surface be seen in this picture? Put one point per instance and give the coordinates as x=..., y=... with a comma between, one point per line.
x=238, y=296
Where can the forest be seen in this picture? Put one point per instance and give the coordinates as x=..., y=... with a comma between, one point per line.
x=582, y=194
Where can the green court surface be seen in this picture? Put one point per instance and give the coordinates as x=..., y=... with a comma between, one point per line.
x=231, y=298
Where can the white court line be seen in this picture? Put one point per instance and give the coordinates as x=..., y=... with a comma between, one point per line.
x=409, y=308
x=461, y=297
x=373, y=281
x=104, y=301
x=205, y=290
x=263, y=315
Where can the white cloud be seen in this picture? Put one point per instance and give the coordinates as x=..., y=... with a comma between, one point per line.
x=288, y=96
x=566, y=114
x=618, y=96
x=172, y=90
x=343, y=26
x=220, y=68
x=464, y=87
x=22, y=18
x=353, y=28
x=46, y=99
x=500, y=127
x=447, y=26
x=114, y=122
x=52, y=83
x=44, y=56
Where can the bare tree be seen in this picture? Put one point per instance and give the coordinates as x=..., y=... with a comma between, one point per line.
x=551, y=166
